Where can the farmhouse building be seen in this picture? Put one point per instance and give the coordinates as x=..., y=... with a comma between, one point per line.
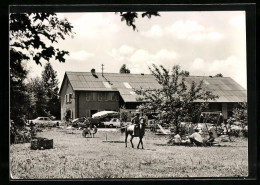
x=85, y=93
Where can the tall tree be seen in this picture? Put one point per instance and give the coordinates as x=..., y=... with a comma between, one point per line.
x=38, y=94
x=174, y=101
x=219, y=75
x=124, y=69
x=32, y=36
x=50, y=84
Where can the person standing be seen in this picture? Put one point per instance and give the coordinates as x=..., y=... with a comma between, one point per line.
x=136, y=122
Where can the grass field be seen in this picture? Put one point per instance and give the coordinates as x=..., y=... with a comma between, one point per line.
x=76, y=157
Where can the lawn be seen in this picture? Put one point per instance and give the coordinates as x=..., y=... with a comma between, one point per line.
x=76, y=157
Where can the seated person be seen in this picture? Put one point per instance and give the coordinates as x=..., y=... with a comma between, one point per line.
x=196, y=138
x=177, y=138
x=211, y=139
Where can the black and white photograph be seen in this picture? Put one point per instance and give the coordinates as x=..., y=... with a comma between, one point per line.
x=128, y=95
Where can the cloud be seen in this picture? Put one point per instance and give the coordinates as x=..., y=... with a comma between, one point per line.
x=80, y=55
x=155, y=31
x=238, y=22
x=126, y=50
x=140, y=55
x=232, y=67
x=138, y=60
x=93, y=25
x=121, y=53
x=162, y=55
x=191, y=30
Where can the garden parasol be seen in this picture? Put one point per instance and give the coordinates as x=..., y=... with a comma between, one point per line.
x=103, y=114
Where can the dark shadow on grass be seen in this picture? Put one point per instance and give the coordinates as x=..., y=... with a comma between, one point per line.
x=113, y=141
x=160, y=144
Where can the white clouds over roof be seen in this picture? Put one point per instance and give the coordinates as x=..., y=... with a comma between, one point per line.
x=80, y=55
x=92, y=25
x=184, y=30
x=200, y=42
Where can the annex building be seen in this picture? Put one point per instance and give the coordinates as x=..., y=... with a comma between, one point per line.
x=85, y=93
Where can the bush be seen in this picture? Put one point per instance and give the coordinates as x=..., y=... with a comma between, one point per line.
x=21, y=134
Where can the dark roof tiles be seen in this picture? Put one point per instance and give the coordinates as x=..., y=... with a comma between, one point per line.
x=225, y=87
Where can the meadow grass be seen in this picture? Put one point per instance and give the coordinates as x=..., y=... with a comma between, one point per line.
x=75, y=157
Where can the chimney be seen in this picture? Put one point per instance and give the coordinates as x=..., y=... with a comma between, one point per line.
x=93, y=71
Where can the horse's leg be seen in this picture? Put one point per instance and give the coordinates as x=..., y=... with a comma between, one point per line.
x=126, y=135
x=141, y=140
x=131, y=139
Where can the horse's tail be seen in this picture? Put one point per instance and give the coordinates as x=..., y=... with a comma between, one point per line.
x=123, y=129
x=95, y=129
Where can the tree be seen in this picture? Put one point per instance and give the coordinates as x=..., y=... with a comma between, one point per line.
x=32, y=36
x=50, y=84
x=130, y=17
x=174, y=101
x=240, y=113
x=219, y=75
x=123, y=69
x=38, y=103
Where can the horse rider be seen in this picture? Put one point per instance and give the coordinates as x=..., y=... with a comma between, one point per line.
x=136, y=122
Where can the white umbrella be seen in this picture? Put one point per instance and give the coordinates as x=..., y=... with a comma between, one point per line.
x=104, y=114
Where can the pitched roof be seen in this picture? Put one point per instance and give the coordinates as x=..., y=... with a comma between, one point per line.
x=225, y=87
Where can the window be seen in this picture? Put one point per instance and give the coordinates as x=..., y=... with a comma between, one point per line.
x=102, y=96
x=127, y=85
x=115, y=97
x=107, y=85
x=206, y=82
x=89, y=96
x=132, y=93
x=68, y=98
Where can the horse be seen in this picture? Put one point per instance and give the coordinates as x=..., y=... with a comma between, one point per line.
x=89, y=131
x=139, y=132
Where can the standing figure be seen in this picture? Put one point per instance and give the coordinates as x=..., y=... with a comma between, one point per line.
x=136, y=122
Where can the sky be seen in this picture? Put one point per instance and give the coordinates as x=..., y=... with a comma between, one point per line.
x=203, y=43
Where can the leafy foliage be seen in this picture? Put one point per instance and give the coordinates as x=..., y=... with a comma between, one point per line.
x=124, y=69
x=38, y=94
x=174, y=101
x=32, y=38
x=50, y=84
x=123, y=114
x=219, y=75
x=30, y=33
x=240, y=113
x=130, y=17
